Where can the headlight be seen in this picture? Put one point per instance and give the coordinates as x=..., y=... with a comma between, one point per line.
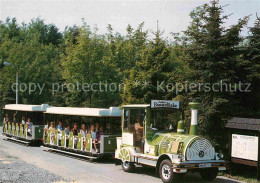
x=180, y=157
x=219, y=155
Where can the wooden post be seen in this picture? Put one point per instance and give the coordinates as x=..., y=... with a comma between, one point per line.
x=230, y=143
x=258, y=155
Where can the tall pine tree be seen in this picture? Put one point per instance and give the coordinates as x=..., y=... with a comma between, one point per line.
x=153, y=68
x=212, y=52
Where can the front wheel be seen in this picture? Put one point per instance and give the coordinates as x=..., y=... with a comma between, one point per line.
x=128, y=166
x=166, y=171
x=209, y=174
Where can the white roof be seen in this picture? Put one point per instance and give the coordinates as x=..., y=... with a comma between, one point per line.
x=25, y=107
x=137, y=105
x=98, y=112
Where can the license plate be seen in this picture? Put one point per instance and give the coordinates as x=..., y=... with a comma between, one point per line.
x=205, y=165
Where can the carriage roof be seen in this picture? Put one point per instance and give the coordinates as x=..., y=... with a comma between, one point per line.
x=25, y=107
x=136, y=106
x=96, y=112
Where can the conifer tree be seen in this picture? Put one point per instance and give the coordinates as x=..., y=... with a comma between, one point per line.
x=212, y=52
x=154, y=67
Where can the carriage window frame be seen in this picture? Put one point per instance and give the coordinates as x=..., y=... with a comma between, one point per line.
x=115, y=122
x=174, y=121
x=130, y=116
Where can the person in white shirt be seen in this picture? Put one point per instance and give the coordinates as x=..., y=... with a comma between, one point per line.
x=84, y=133
x=46, y=128
x=23, y=120
x=29, y=126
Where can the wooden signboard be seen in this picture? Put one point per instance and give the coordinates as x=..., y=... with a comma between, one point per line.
x=244, y=143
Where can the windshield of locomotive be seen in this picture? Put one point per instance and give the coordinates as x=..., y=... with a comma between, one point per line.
x=164, y=120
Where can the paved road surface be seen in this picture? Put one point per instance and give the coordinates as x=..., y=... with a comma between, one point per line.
x=74, y=170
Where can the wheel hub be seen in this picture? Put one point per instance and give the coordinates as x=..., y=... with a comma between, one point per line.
x=126, y=164
x=166, y=171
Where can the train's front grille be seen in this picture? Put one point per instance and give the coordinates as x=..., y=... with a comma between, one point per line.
x=200, y=149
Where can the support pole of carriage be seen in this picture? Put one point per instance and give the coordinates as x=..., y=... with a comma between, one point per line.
x=17, y=86
x=258, y=162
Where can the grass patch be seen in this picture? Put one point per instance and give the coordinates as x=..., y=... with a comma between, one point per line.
x=243, y=173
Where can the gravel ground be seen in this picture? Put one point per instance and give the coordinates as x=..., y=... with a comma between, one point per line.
x=17, y=171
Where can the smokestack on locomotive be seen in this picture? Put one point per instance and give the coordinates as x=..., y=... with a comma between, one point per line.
x=194, y=118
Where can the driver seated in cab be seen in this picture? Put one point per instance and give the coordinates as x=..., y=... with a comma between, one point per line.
x=138, y=133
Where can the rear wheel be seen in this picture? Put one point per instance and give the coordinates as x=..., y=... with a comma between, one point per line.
x=166, y=171
x=128, y=166
x=209, y=174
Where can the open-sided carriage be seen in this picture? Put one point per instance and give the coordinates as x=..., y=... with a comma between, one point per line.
x=79, y=145
x=24, y=123
x=148, y=139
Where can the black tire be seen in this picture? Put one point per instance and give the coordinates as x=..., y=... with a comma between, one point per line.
x=128, y=166
x=166, y=171
x=209, y=174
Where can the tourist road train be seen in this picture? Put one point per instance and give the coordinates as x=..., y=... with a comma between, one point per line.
x=137, y=134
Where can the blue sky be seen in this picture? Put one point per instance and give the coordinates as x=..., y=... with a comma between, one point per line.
x=173, y=15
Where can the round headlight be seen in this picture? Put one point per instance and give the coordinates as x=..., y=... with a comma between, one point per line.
x=180, y=157
x=220, y=155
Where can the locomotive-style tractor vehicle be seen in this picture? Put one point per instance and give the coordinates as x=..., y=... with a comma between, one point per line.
x=148, y=139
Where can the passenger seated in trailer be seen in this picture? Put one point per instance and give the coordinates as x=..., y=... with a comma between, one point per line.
x=29, y=127
x=6, y=120
x=23, y=123
x=94, y=137
x=67, y=134
x=100, y=133
x=75, y=134
x=97, y=129
x=23, y=120
x=52, y=133
x=59, y=128
x=14, y=120
x=46, y=128
x=84, y=133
